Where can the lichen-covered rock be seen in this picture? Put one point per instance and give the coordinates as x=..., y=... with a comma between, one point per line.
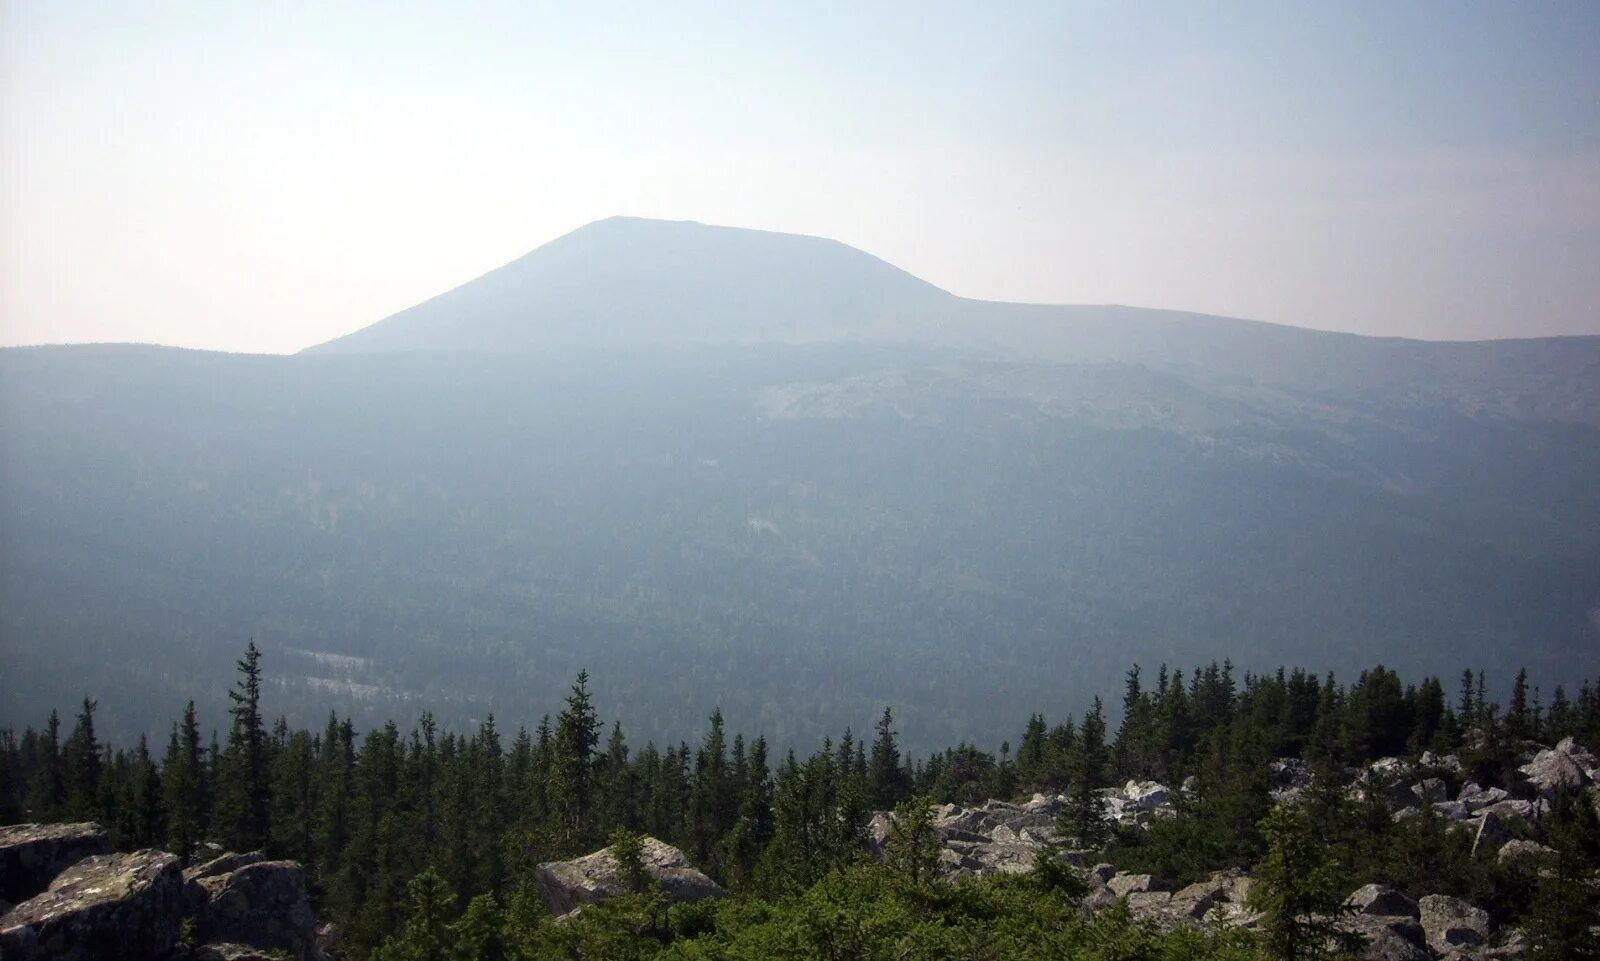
x=1389, y=937
x=1380, y=900
x=105, y=906
x=31, y=855
x=1453, y=923
x=261, y=903
x=569, y=885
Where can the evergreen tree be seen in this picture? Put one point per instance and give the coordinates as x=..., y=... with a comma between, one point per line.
x=1299, y=891
x=913, y=845
x=183, y=786
x=81, y=763
x=243, y=790
x=479, y=934
x=47, y=789
x=426, y=934
x=1083, y=817
x=572, y=771
x=1566, y=899
x=886, y=780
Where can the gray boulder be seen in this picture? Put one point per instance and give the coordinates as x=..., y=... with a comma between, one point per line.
x=569, y=885
x=1125, y=884
x=1513, y=852
x=105, y=906
x=1431, y=790
x=260, y=903
x=1477, y=798
x=1380, y=900
x=1451, y=923
x=1552, y=770
x=1146, y=795
x=31, y=855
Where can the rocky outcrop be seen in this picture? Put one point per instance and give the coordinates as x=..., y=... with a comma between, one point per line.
x=105, y=906
x=134, y=905
x=1452, y=923
x=31, y=855
x=258, y=903
x=569, y=885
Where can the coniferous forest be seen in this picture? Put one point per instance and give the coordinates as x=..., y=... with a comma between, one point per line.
x=422, y=842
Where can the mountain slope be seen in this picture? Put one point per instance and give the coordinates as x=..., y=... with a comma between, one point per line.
x=631, y=283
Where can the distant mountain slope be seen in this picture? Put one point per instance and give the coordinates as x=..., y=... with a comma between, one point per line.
x=716, y=466
x=629, y=283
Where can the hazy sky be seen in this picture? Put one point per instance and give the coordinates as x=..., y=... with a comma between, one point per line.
x=264, y=176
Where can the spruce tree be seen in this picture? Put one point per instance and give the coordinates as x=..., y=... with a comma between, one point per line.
x=243, y=792
x=1082, y=819
x=81, y=763
x=572, y=771
x=426, y=934
x=47, y=789
x=1299, y=891
x=183, y=786
x=886, y=780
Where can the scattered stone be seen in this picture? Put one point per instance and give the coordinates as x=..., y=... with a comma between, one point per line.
x=1380, y=900
x=1477, y=798
x=1123, y=884
x=1431, y=790
x=1446, y=762
x=31, y=855
x=1451, y=923
x=569, y=885
x=1515, y=851
x=1146, y=795
x=105, y=906
x=1553, y=770
x=1101, y=874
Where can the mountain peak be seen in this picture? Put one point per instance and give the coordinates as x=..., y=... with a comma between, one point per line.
x=632, y=281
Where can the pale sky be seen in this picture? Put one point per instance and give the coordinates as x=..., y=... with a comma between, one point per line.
x=265, y=176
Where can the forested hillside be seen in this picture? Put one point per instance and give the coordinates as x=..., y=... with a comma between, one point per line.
x=426, y=836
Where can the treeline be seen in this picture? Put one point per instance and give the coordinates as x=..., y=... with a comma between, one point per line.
x=368, y=812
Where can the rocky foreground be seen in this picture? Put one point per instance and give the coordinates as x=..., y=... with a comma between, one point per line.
x=64, y=894
x=80, y=901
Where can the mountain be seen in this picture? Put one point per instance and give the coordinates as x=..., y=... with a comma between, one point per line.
x=716, y=466
x=632, y=283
